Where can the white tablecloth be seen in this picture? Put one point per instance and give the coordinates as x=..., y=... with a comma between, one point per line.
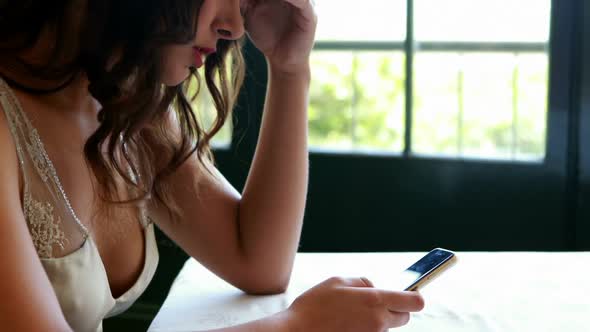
x=534, y=292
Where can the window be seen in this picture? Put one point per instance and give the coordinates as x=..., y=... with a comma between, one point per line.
x=467, y=137
x=471, y=80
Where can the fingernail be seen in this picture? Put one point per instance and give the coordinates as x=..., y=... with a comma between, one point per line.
x=367, y=282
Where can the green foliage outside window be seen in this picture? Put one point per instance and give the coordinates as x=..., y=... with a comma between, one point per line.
x=357, y=101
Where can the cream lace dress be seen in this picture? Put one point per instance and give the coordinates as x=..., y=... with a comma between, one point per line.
x=67, y=251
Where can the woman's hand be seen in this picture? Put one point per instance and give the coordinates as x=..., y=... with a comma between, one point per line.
x=352, y=305
x=283, y=30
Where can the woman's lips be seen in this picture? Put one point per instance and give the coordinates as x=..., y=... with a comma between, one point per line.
x=199, y=52
x=198, y=57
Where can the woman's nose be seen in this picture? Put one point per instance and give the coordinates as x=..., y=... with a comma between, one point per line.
x=230, y=24
x=226, y=34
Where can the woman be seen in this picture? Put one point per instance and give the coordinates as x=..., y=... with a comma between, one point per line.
x=99, y=143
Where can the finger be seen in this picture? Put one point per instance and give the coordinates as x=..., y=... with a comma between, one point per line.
x=390, y=300
x=403, y=301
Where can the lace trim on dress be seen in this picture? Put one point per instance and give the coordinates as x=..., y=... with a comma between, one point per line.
x=43, y=226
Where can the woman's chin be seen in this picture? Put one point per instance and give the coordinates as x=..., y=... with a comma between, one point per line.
x=177, y=78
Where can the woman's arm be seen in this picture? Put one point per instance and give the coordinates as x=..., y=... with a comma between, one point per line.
x=250, y=240
x=27, y=300
x=273, y=201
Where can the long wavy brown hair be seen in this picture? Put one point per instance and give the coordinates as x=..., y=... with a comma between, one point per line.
x=133, y=141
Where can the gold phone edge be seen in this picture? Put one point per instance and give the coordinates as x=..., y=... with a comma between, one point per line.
x=446, y=265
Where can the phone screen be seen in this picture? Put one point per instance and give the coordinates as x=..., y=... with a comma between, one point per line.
x=423, y=267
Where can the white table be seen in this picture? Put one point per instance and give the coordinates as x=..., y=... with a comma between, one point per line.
x=519, y=292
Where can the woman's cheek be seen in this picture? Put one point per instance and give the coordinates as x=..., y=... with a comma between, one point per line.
x=175, y=67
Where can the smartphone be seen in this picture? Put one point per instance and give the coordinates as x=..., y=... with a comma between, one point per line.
x=427, y=269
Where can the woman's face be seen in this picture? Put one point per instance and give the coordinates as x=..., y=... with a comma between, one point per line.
x=218, y=19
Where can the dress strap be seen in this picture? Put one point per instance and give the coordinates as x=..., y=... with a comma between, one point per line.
x=15, y=126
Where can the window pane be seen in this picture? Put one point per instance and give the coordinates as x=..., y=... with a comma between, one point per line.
x=474, y=103
x=487, y=105
x=491, y=105
x=357, y=101
x=531, y=105
x=369, y=20
x=482, y=20
x=436, y=104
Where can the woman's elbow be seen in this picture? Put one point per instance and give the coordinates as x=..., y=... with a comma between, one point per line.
x=265, y=284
